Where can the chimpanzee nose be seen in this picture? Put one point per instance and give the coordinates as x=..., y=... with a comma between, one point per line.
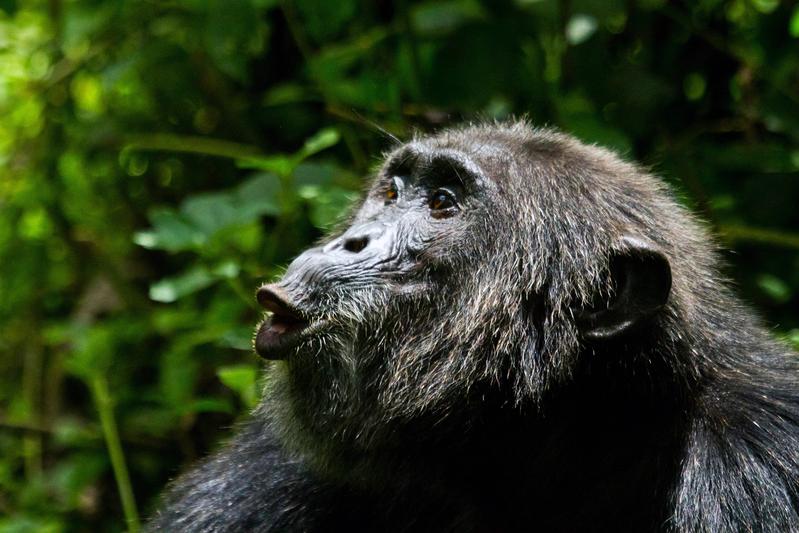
x=356, y=244
x=356, y=239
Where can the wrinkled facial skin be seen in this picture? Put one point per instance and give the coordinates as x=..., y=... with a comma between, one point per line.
x=408, y=227
x=345, y=310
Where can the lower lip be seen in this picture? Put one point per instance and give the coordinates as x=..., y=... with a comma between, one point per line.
x=274, y=341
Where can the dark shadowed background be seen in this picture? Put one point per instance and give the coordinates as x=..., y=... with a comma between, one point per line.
x=159, y=159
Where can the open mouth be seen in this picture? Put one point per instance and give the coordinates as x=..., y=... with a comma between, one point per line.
x=282, y=331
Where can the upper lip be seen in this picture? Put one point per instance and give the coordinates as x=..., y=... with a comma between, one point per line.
x=274, y=299
x=278, y=334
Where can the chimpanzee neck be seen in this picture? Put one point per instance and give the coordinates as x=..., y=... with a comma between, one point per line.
x=591, y=457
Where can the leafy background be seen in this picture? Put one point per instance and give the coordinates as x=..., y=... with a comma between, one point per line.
x=161, y=158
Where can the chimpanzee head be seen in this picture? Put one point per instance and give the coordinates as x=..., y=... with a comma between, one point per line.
x=482, y=266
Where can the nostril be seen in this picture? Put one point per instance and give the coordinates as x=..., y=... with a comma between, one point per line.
x=356, y=245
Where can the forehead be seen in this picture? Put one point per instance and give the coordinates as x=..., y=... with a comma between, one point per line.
x=478, y=155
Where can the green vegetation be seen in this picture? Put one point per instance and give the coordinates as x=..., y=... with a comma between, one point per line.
x=160, y=158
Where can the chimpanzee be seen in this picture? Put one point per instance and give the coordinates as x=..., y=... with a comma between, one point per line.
x=515, y=332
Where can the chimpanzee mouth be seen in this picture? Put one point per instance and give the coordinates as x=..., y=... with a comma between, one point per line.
x=281, y=332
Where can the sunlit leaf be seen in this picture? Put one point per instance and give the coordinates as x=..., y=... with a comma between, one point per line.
x=279, y=164
x=774, y=287
x=170, y=289
x=285, y=165
x=321, y=140
x=242, y=379
x=580, y=28
x=195, y=279
x=227, y=270
x=88, y=94
x=171, y=231
x=766, y=6
x=793, y=25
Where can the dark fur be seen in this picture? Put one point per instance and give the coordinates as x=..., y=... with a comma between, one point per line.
x=481, y=406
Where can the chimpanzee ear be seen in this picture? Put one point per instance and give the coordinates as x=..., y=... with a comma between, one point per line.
x=641, y=280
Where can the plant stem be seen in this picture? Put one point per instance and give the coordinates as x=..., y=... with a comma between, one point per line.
x=31, y=387
x=104, y=403
x=735, y=233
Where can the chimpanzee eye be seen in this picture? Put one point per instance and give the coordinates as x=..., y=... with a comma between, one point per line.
x=441, y=200
x=393, y=190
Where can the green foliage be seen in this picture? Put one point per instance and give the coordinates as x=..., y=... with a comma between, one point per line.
x=243, y=380
x=160, y=160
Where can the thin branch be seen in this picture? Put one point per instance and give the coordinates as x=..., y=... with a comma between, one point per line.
x=166, y=142
x=736, y=233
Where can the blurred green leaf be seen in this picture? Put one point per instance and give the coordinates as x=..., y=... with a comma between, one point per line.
x=71, y=478
x=280, y=164
x=322, y=140
x=333, y=62
x=580, y=28
x=285, y=165
x=178, y=370
x=441, y=17
x=238, y=338
x=209, y=405
x=259, y=195
x=242, y=379
x=8, y=6
x=288, y=93
x=322, y=18
x=171, y=231
x=211, y=212
x=793, y=338
x=577, y=114
x=94, y=351
x=30, y=524
x=793, y=25
x=694, y=86
x=195, y=279
x=328, y=206
x=774, y=287
x=232, y=35
x=203, y=215
x=766, y=6
x=170, y=289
